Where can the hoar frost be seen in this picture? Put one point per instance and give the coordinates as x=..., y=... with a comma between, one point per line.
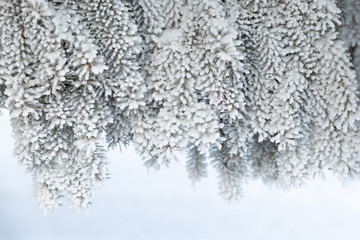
x=260, y=89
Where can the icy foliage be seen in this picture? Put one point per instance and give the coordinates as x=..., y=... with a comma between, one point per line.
x=260, y=89
x=350, y=30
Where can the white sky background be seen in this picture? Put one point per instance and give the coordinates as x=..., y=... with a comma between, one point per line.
x=163, y=205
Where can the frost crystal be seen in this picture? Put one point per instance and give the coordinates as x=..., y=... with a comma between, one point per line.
x=260, y=89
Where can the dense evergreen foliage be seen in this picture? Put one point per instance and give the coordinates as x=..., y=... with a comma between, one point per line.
x=255, y=88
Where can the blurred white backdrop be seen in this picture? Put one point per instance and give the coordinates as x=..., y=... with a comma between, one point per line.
x=162, y=205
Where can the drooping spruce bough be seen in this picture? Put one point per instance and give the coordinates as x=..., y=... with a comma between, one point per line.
x=256, y=88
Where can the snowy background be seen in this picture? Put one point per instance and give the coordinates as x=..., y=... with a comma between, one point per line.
x=162, y=205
